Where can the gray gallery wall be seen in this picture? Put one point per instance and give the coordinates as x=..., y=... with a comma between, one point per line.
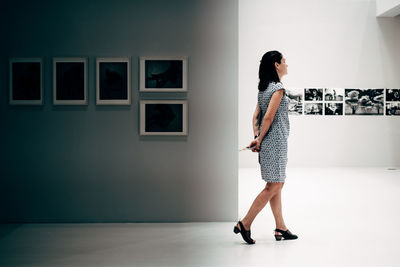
x=88, y=163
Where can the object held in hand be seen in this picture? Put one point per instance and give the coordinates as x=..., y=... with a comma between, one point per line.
x=247, y=148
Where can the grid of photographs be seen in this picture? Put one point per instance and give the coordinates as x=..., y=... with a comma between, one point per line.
x=333, y=101
x=344, y=101
x=392, y=102
x=166, y=74
x=313, y=101
x=169, y=74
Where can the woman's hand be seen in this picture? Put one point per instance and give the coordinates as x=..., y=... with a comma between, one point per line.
x=256, y=144
x=256, y=133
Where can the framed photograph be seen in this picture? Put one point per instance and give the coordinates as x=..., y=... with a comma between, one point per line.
x=313, y=94
x=113, y=81
x=26, y=81
x=333, y=109
x=163, y=74
x=392, y=94
x=334, y=94
x=70, y=81
x=364, y=101
x=163, y=117
x=313, y=108
x=295, y=96
x=393, y=108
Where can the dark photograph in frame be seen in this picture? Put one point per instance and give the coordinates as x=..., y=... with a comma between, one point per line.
x=313, y=94
x=392, y=94
x=163, y=74
x=69, y=81
x=163, y=117
x=113, y=81
x=26, y=82
x=333, y=109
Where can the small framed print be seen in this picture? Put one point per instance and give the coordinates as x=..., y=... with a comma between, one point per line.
x=295, y=96
x=393, y=108
x=70, y=81
x=26, y=81
x=313, y=108
x=392, y=102
x=333, y=108
x=163, y=74
x=163, y=117
x=113, y=81
x=334, y=94
x=313, y=94
x=392, y=94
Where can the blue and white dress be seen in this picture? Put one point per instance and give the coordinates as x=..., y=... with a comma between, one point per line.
x=273, y=151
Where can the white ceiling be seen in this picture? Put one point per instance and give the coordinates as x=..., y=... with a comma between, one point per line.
x=387, y=8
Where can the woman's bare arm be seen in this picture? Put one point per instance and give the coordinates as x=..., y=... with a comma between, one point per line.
x=271, y=111
x=268, y=117
x=255, y=121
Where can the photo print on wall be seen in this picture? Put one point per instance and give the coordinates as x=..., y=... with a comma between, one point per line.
x=313, y=108
x=70, y=81
x=313, y=94
x=364, y=101
x=333, y=108
x=113, y=81
x=392, y=102
x=333, y=94
x=26, y=81
x=393, y=108
x=295, y=101
x=163, y=117
x=392, y=94
x=163, y=74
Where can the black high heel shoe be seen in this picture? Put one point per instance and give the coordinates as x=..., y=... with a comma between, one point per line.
x=285, y=234
x=245, y=233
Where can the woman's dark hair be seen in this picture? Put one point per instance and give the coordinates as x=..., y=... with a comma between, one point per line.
x=267, y=72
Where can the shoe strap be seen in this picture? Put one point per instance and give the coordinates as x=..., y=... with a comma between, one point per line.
x=242, y=227
x=281, y=231
x=247, y=232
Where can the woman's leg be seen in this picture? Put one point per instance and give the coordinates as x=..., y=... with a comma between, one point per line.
x=276, y=207
x=259, y=203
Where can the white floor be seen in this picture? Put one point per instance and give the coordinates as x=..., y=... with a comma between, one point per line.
x=343, y=217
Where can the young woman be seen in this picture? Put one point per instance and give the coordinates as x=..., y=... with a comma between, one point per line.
x=270, y=141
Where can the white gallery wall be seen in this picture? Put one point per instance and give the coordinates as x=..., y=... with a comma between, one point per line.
x=327, y=44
